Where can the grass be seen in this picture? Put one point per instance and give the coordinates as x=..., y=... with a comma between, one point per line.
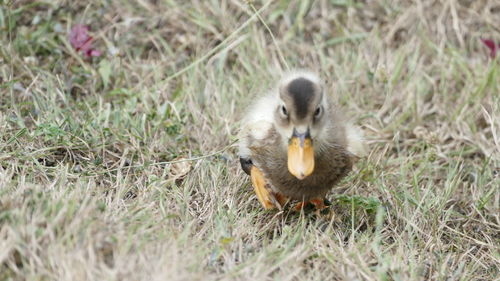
x=88, y=190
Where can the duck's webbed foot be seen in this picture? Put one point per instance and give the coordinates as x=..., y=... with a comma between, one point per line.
x=266, y=196
x=319, y=205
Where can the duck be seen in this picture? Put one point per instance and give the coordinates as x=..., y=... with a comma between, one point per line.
x=295, y=143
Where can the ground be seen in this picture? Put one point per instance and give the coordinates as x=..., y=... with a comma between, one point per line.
x=88, y=189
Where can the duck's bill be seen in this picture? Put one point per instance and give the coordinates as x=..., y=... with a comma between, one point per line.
x=300, y=155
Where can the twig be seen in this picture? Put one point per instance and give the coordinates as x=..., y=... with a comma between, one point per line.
x=280, y=54
x=173, y=161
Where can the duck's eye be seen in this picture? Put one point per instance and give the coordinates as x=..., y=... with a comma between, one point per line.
x=317, y=113
x=284, y=111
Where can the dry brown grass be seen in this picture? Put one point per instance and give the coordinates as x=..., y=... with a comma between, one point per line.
x=85, y=193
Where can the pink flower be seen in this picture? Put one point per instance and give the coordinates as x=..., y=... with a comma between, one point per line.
x=80, y=39
x=492, y=46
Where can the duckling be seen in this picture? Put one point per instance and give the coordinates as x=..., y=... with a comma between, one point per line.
x=296, y=144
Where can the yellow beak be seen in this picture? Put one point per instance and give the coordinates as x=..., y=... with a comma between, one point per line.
x=300, y=155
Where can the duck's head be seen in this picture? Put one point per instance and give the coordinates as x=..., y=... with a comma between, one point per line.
x=300, y=119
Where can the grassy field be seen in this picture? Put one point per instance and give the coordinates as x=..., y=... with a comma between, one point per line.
x=93, y=185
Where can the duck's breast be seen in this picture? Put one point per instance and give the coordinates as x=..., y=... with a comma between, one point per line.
x=331, y=165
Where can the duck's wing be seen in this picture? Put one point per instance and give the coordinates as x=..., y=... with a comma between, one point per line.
x=355, y=141
x=251, y=135
x=256, y=128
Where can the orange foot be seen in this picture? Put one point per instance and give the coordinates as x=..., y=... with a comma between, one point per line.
x=319, y=205
x=266, y=196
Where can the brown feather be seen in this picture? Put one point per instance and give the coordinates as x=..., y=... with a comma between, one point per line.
x=331, y=165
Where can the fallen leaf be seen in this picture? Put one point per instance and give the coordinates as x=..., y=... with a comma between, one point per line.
x=492, y=46
x=179, y=170
x=80, y=39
